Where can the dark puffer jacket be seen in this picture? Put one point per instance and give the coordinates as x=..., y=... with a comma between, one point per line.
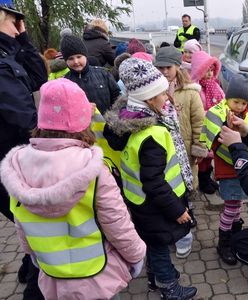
x=155, y=219
x=98, y=84
x=99, y=47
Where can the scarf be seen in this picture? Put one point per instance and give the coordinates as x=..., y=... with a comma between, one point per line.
x=169, y=119
x=212, y=92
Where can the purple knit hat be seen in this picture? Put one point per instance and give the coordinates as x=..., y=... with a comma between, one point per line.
x=134, y=46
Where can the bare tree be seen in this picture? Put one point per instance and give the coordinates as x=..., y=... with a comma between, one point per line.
x=245, y=12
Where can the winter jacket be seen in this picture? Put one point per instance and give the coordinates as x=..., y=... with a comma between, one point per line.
x=46, y=178
x=98, y=84
x=98, y=46
x=239, y=155
x=22, y=71
x=191, y=115
x=155, y=219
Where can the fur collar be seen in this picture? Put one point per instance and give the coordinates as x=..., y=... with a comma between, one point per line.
x=122, y=126
x=191, y=86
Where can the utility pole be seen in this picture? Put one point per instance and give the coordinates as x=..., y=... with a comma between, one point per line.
x=206, y=25
x=134, y=23
x=166, y=15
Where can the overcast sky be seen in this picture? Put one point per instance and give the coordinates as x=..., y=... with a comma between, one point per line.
x=154, y=10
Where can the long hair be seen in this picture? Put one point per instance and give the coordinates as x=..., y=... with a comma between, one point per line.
x=182, y=78
x=86, y=135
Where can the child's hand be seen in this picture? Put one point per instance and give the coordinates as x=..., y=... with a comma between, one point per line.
x=20, y=26
x=93, y=108
x=229, y=136
x=229, y=118
x=184, y=218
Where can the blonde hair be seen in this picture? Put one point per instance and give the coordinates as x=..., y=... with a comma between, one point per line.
x=182, y=78
x=3, y=16
x=99, y=23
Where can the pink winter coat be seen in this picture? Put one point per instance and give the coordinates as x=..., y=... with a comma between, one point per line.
x=200, y=63
x=49, y=176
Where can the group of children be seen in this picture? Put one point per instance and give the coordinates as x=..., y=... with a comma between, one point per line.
x=69, y=212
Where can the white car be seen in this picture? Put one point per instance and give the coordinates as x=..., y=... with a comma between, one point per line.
x=211, y=30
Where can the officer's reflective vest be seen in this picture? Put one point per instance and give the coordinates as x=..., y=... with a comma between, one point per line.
x=65, y=247
x=213, y=122
x=97, y=126
x=182, y=38
x=130, y=166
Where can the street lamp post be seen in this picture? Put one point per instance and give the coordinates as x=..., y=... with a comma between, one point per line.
x=166, y=15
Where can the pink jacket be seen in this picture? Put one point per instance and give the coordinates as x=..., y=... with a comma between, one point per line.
x=49, y=176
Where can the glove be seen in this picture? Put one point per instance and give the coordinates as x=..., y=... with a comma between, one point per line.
x=136, y=268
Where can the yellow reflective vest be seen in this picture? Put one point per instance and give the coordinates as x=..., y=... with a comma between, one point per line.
x=130, y=166
x=214, y=120
x=97, y=126
x=182, y=38
x=65, y=247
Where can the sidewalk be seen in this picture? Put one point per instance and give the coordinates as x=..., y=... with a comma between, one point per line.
x=203, y=268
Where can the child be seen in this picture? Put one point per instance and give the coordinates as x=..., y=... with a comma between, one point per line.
x=151, y=171
x=231, y=192
x=190, y=47
x=205, y=70
x=98, y=84
x=69, y=213
x=186, y=97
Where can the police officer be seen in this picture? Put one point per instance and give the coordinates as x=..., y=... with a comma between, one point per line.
x=185, y=33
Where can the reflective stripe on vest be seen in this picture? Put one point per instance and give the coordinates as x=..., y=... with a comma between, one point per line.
x=97, y=126
x=182, y=38
x=130, y=166
x=213, y=122
x=70, y=246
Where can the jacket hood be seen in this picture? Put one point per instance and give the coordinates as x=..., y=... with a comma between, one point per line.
x=92, y=34
x=57, y=65
x=200, y=63
x=122, y=126
x=45, y=177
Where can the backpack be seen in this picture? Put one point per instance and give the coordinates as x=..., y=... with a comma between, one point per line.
x=239, y=243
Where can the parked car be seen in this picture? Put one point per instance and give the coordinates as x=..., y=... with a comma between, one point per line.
x=211, y=30
x=230, y=31
x=235, y=57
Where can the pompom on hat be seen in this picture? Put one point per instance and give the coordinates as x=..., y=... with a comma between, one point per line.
x=8, y=7
x=238, y=87
x=72, y=45
x=142, y=80
x=63, y=106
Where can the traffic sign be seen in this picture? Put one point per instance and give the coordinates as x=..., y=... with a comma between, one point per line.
x=193, y=3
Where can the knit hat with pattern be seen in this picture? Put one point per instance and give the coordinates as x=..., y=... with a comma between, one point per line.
x=238, y=87
x=71, y=45
x=63, y=106
x=142, y=80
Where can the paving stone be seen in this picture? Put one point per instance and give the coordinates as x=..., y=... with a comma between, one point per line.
x=194, y=267
x=125, y=296
x=138, y=286
x=219, y=288
x=209, y=254
x=238, y=285
x=12, y=277
x=11, y=248
x=234, y=273
x=7, y=257
x=223, y=297
x=241, y=297
x=204, y=235
x=139, y=296
x=216, y=276
x=204, y=291
x=198, y=278
x=15, y=297
x=193, y=256
x=213, y=264
x=7, y=289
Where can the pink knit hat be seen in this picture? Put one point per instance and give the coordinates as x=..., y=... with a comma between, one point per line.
x=135, y=45
x=192, y=46
x=200, y=63
x=143, y=55
x=63, y=106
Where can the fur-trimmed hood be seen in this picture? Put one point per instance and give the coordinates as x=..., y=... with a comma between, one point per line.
x=122, y=126
x=50, y=175
x=200, y=63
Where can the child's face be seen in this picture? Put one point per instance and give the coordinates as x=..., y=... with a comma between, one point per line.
x=187, y=55
x=158, y=102
x=210, y=73
x=77, y=62
x=237, y=105
x=169, y=72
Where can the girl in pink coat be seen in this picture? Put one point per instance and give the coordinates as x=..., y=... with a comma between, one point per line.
x=205, y=70
x=68, y=209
